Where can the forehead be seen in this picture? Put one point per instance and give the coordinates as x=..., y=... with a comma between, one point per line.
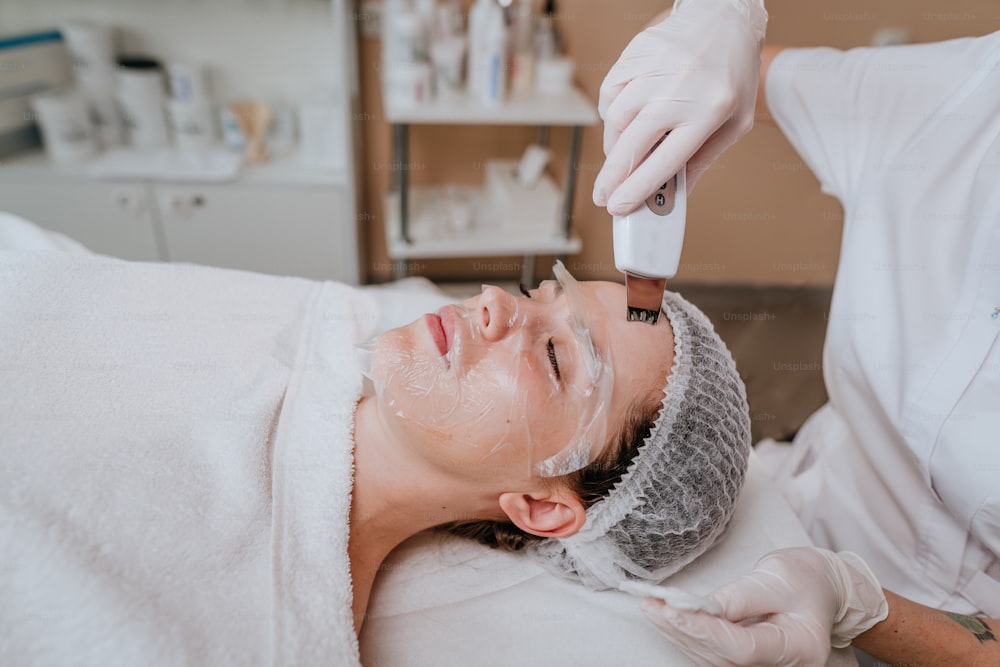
x=639, y=352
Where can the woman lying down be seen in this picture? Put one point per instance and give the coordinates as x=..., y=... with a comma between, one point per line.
x=195, y=471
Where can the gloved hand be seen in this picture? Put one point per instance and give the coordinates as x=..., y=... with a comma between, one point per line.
x=809, y=599
x=695, y=75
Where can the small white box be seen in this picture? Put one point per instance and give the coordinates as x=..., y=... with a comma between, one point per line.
x=520, y=209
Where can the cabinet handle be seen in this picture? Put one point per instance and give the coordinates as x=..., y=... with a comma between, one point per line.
x=182, y=205
x=128, y=199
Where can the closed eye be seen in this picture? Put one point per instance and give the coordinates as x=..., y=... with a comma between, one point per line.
x=552, y=359
x=549, y=346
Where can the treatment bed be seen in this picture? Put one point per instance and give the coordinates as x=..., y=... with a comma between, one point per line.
x=442, y=600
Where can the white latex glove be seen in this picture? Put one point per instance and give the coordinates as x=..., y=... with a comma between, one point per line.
x=809, y=599
x=695, y=75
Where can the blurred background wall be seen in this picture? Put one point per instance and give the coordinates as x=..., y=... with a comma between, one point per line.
x=756, y=218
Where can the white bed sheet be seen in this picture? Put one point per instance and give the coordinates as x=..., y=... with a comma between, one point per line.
x=444, y=600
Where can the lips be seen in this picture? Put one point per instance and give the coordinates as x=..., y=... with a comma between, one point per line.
x=447, y=317
x=436, y=328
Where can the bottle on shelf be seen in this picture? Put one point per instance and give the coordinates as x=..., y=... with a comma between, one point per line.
x=487, y=52
x=425, y=11
x=522, y=43
x=553, y=73
x=406, y=72
x=447, y=49
x=546, y=39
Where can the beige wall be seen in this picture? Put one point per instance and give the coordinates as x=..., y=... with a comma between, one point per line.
x=758, y=217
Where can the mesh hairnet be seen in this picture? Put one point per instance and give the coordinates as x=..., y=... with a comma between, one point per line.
x=679, y=492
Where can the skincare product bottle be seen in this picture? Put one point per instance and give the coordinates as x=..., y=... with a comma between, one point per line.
x=546, y=40
x=410, y=36
x=478, y=17
x=494, y=54
x=402, y=35
x=447, y=57
x=448, y=20
x=424, y=11
x=522, y=61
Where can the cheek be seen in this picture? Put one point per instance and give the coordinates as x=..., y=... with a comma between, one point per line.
x=552, y=425
x=501, y=408
x=420, y=396
x=541, y=420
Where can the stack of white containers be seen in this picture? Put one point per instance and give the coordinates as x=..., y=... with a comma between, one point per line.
x=121, y=101
x=75, y=123
x=91, y=48
x=64, y=119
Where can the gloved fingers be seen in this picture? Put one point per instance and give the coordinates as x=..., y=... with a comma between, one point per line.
x=634, y=63
x=621, y=113
x=651, y=94
x=748, y=597
x=784, y=640
x=631, y=147
x=614, y=82
x=631, y=65
x=665, y=161
x=717, y=144
x=672, y=624
x=722, y=642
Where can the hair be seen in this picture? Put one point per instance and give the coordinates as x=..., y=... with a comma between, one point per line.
x=590, y=484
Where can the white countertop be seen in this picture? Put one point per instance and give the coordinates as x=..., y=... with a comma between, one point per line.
x=35, y=166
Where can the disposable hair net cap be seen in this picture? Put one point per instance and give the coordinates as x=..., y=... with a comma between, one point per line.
x=678, y=495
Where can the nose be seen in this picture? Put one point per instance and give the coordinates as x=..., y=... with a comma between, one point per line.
x=497, y=312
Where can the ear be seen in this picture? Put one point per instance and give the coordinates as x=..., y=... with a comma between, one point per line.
x=555, y=512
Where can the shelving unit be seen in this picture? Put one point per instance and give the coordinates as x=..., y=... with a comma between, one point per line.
x=414, y=228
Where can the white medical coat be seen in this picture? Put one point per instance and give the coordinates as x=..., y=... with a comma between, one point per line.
x=903, y=465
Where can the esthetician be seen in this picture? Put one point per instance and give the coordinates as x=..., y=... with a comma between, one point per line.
x=900, y=471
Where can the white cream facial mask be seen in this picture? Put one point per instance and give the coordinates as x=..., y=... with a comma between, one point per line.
x=483, y=376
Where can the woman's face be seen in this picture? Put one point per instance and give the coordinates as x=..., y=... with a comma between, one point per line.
x=499, y=386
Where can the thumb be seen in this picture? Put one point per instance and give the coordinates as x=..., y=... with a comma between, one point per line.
x=745, y=598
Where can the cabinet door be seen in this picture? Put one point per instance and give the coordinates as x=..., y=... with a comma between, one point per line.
x=109, y=218
x=280, y=230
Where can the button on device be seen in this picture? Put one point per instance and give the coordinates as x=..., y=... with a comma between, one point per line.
x=661, y=202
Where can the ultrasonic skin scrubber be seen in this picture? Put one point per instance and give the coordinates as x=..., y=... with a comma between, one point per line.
x=648, y=245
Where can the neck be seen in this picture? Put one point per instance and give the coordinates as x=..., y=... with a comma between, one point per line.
x=395, y=496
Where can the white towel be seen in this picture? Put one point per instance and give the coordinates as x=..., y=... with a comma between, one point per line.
x=175, y=464
x=19, y=234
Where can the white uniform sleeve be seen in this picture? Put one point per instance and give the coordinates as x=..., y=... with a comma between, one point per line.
x=848, y=112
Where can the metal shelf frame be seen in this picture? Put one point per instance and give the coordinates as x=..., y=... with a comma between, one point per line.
x=572, y=110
